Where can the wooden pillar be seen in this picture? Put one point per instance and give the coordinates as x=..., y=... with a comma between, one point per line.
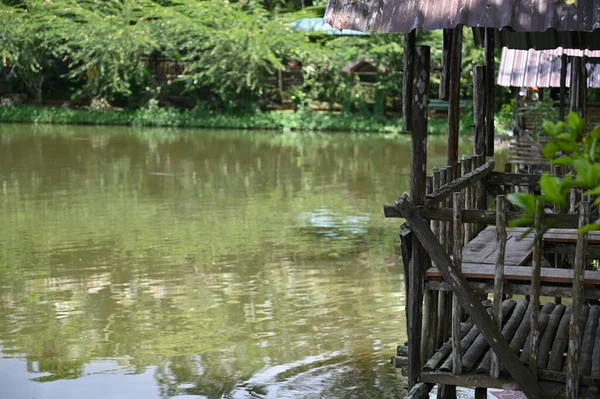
x=446, y=57
x=420, y=67
x=489, y=91
x=499, y=274
x=576, y=322
x=536, y=269
x=574, y=91
x=454, y=95
x=407, y=80
x=583, y=87
x=563, y=86
x=479, y=110
x=456, y=308
x=540, y=94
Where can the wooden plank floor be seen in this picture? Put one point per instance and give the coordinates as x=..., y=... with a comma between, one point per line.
x=482, y=249
x=554, y=326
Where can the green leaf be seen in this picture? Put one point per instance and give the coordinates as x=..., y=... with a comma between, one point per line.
x=551, y=189
x=562, y=161
x=523, y=200
x=588, y=228
x=550, y=150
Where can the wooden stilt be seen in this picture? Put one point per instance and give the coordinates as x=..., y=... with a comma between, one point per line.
x=489, y=91
x=408, y=80
x=454, y=95
x=456, y=308
x=563, y=86
x=417, y=190
x=499, y=274
x=479, y=110
x=575, y=325
x=535, y=289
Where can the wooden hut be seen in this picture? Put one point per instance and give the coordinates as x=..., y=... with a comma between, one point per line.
x=541, y=70
x=455, y=250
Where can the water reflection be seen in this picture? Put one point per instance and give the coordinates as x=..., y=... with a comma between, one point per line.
x=173, y=263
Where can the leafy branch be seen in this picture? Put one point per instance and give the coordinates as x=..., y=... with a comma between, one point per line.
x=578, y=150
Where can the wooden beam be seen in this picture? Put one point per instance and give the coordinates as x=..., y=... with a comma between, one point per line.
x=458, y=184
x=421, y=63
x=489, y=91
x=516, y=288
x=454, y=96
x=563, y=86
x=419, y=391
x=479, y=110
x=468, y=299
x=407, y=80
x=478, y=216
x=512, y=179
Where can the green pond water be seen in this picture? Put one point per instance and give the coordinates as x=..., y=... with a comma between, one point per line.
x=193, y=263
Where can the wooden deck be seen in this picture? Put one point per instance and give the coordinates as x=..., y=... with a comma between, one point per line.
x=554, y=329
x=479, y=257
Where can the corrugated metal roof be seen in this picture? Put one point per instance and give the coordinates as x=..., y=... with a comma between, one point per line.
x=533, y=68
x=510, y=17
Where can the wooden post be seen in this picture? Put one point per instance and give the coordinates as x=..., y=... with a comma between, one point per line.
x=466, y=168
x=456, y=308
x=575, y=326
x=461, y=288
x=563, y=86
x=574, y=90
x=489, y=91
x=583, y=88
x=442, y=296
x=536, y=267
x=454, y=96
x=407, y=80
x=446, y=59
x=499, y=274
x=479, y=110
x=429, y=302
x=417, y=191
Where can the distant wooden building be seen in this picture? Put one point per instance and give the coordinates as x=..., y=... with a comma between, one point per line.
x=539, y=71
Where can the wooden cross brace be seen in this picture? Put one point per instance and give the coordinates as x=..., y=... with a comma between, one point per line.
x=462, y=290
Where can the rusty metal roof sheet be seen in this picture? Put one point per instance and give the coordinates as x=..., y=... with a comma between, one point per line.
x=510, y=17
x=533, y=68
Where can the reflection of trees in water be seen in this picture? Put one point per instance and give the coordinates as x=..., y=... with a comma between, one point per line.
x=102, y=260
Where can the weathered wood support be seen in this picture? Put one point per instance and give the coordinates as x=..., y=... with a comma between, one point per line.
x=456, y=308
x=574, y=87
x=445, y=62
x=536, y=269
x=461, y=288
x=563, y=86
x=467, y=167
x=417, y=190
x=429, y=303
x=568, y=221
x=465, y=181
x=454, y=95
x=499, y=274
x=575, y=326
x=419, y=391
x=489, y=91
x=407, y=80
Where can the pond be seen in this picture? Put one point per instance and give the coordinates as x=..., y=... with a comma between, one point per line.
x=190, y=263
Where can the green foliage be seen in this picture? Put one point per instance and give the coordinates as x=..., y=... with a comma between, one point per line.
x=575, y=147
